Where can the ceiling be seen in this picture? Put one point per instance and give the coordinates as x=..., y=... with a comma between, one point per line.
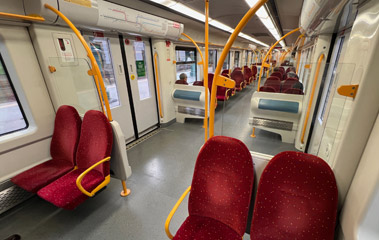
x=231, y=12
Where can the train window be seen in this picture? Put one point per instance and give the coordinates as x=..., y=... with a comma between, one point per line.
x=186, y=63
x=12, y=117
x=331, y=77
x=101, y=50
x=143, y=80
x=212, y=61
x=226, y=64
x=236, y=59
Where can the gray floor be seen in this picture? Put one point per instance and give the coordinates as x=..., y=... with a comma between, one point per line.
x=162, y=169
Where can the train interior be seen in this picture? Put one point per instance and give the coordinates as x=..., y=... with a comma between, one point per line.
x=263, y=112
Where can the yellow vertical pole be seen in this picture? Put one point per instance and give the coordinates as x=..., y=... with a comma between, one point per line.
x=206, y=67
x=224, y=53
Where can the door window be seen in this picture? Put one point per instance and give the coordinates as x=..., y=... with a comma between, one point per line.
x=212, y=61
x=186, y=63
x=226, y=62
x=142, y=73
x=236, y=59
x=101, y=50
x=12, y=117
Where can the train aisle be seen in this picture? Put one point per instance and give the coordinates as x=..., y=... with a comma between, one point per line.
x=162, y=169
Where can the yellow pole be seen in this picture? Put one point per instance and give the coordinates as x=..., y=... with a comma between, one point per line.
x=224, y=53
x=268, y=53
x=95, y=67
x=158, y=86
x=22, y=17
x=206, y=67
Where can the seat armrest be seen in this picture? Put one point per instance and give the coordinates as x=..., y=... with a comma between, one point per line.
x=103, y=184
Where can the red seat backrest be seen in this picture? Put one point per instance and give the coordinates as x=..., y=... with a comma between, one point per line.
x=225, y=71
x=288, y=83
x=267, y=89
x=297, y=198
x=277, y=74
x=210, y=81
x=237, y=76
x=274, y=83
x=237, y=69
x=95, y=144
x=255, y=70
x=248, y=73
x=66, y=134
x=198, y=83
x=273, y=78
x=282, y=70
x=294, y=91
x=222, y=182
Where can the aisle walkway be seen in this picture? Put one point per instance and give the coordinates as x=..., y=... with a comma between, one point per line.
x=162, y=169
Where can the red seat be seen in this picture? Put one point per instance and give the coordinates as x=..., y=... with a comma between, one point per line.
x=181, y=82
x=231, y=91
x=248, y=74
x=221, y=190
x=221, y=94
x=297, y=198
x=62, y=149
x=226, y=71
x=288, y=83
x=274, y=83
x=239, y=78
x=282, y=70
x=267, y=89
x=294, y=91
x=95, y=144
x=277, y=74
x=198, y=83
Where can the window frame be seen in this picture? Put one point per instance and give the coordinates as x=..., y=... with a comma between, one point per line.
x=27, y=124
x=181, y=48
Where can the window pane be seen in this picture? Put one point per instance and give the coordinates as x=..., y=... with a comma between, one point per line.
x=212, y=61
x=189, y=69
x=101, y=50
x=142, y=73
x=11, y=116
x=226, y=62
x=185, y=56
x=236, y=59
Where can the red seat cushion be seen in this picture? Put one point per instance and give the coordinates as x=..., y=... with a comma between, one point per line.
x=65, y=194
x=63, y=148
x=297, y=199
x=204, y=228
x=41, y=175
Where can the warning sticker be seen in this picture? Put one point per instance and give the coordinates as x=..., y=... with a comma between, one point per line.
x=84, y=3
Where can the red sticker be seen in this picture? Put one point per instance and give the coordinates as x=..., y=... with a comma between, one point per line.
x=138, y=39
x=98, y=34
x=168, y=43
x=176, y=25
x=127, y=42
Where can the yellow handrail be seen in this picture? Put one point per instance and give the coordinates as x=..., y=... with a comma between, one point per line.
x=22, y=17
x=299, y=55
x=158, y=86
x=311, y=97
x=206, y=64
x=95, y=68
x=224, y=53
x=168, y=220
x=205, y=85
x=268, y=53
x=103, y=184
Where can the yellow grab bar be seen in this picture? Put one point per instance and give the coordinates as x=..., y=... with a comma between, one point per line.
x=22, y=17
x=221, y=61
x=269, y=52
x=205, y=85
x=95, y=67
x=168, y=220
x=158, y=86
x=311, y=97
x=103, y=184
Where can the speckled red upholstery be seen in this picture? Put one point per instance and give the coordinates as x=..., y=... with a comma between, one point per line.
x=288, y=83
x=204, y=228
x=239, y=78
x=95, y=144
x=62, y=149
x=248, y=73
x=221, y=189
x=267, y=89
x=277, y=74
x=296, y=199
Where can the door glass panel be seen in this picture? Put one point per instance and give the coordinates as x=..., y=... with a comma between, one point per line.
x=73, y=85
x=212, y=61
x=236, y=59
x=101, y=50
x=11, y=116
x=142, y=73
x=226, y=62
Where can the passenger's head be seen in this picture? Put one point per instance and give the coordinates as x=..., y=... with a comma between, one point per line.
x=276, y=69
x=292, y=69
x=183, y=77
x=292, y=75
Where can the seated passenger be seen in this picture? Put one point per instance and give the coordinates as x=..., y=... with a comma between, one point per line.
x=291, y=69
x=277, y=69
x=292, y=75
x=183, y=79
x=298, y=85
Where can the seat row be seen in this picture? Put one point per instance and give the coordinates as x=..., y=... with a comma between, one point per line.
x=80, y=160
x=289, y=86
x=297, y=196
